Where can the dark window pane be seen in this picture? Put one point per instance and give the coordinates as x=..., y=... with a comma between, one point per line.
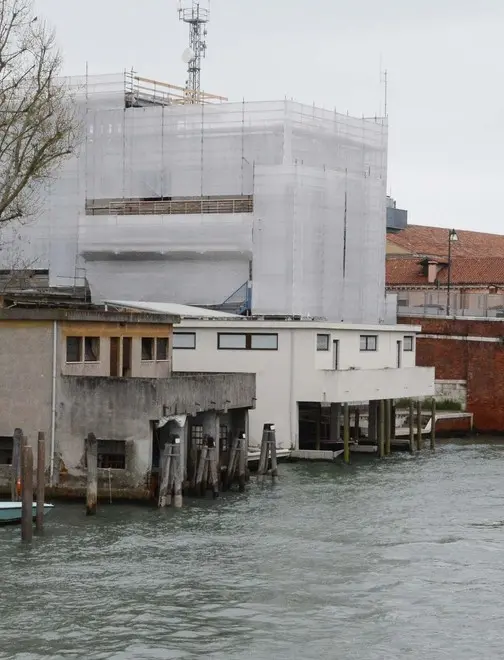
x=161, y=348
x=147, y=348
x=74, y=349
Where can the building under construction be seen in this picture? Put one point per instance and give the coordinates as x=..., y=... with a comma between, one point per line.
x=276, y=207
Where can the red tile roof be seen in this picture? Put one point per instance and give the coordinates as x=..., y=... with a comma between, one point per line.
x=409, y=271
x=433, y=241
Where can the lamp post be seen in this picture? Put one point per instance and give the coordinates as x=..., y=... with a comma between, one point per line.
x=452, y=237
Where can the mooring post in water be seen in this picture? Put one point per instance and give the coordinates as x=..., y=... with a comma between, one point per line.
x=201, y=469
x=381, y=415
x=165, y=481
x=263, y=458
x=40, y=481
x=411, y=426
x=26, y=493
x=433, y=425
x=357, y=425
x=92, y=474
x=213, y=472
x=346, y=433
x=388, y=427
x=17, y=441
x=232, y=466
x=177, y=473
x=419, y=425
x=242, y=461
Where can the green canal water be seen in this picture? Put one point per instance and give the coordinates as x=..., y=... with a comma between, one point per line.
x=402, y=558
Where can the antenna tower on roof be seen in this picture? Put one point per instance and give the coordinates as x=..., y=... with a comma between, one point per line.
x=197, y=14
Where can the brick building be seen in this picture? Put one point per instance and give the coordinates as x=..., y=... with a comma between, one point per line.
x=468, y=355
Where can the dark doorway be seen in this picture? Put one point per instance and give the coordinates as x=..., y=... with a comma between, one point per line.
x=315, y=426
x=114, y=357
x=126, y=357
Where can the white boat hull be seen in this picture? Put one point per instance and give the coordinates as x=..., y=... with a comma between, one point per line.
x=10, y=512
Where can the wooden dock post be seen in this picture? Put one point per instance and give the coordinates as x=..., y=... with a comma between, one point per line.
x=388, y=427
x=213, y=471
x=177, y=473
x=202, y=465
x=346, y=433
x=17, y=441
x=411, y=426
x=419, y=424
x=40, y=481
x=381, y=421
x=273, y=451
x=433, y=425
x=27, y=493
x=92, y=474
x=263, y=458
x=357, y=425
x=242, y=462
x=165, y=484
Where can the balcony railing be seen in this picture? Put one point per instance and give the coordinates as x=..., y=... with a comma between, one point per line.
x=180, y=206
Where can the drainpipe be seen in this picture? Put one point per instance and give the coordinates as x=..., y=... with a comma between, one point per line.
x=53, y=399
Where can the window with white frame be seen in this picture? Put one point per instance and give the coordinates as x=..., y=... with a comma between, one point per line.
x=184, y=340
x=322, y=342
x=82, y=349
x=409, y=343
x=369, y=342
x=247, y=341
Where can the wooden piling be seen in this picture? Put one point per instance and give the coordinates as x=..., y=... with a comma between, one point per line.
x=381, y=415
x=165, y=484
x=242, y=462
x=419, y=425
x=433, y=425
x=388, y=427
x=411, y=426
x=92, y=474
x=232, y=466
x=17, y=441
x=177, y=474
x=201, y=469
x=346, y=433
x=357, y=425
x=263, y=458
x=273, y=451
x=27, y=493
x=40, y=481
x=213, y=471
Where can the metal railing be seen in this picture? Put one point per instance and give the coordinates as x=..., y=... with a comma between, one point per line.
x=189, y=206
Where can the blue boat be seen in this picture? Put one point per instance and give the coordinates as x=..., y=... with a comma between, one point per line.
x=10, y=512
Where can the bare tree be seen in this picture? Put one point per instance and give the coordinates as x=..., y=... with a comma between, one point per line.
x=38, y=125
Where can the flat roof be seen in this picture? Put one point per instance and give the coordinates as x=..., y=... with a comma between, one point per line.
x=308, y=324
x=174, y=309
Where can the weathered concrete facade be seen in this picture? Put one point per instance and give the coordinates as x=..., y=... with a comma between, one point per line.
x=58, y=375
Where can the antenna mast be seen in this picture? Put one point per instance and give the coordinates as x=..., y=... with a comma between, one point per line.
x=197, y=16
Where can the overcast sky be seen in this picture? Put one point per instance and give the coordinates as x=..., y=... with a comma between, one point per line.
x=445, y=61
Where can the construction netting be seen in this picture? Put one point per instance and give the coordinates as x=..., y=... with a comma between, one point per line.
x=313, y=239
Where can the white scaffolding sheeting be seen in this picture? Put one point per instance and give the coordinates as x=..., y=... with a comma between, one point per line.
x=315, y=241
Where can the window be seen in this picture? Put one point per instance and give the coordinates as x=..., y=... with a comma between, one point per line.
x=82, y=348
x=322, y=342
x=112, y=454
x=6, y=448
x=147, y=349
x=197, y=435
x=92, y=349
x=184, y=340
x=162, y=349
x=247, y=341
x=74, y=349
x=369, y=342
x=223, y=438
x=409, y=343
x=154, y=349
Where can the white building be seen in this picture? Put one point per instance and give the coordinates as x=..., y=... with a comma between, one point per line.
x=302, y=366
x=279, y=203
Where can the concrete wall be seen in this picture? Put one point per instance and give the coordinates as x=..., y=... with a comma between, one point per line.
x=471, y=351
x=124, y=409
x=298, y=372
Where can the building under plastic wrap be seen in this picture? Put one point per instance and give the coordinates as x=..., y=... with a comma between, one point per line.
x=189, y=203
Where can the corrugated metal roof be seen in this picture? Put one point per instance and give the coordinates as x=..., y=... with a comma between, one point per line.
x=174, y=309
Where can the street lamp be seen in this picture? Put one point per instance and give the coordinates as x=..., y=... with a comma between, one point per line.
x=452, y=238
